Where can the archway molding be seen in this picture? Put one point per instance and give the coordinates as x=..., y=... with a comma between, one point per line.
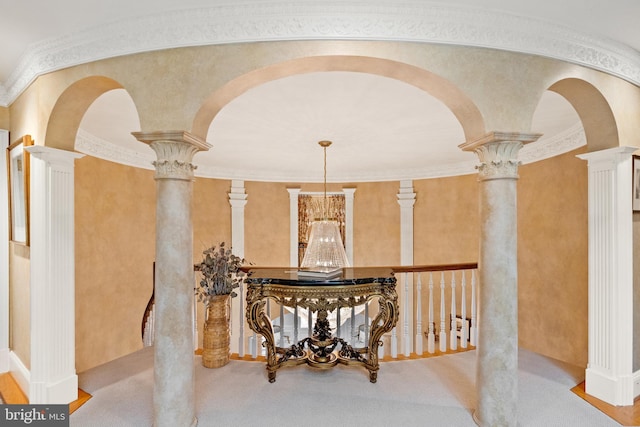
x=67, y=113
x=452, y=97
x=595, y=113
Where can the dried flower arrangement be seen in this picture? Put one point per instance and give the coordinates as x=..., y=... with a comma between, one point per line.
x=221, y=274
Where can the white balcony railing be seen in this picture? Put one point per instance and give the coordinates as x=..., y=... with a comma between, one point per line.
x=437, y=313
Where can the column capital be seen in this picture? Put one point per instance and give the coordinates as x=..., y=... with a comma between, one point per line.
x=498, y=153
x=175, y=151
x=237, y=195
x=55, y=155
x=293, y=192
x=406, y=196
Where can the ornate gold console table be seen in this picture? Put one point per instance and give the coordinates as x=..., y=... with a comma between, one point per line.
x=355, y=286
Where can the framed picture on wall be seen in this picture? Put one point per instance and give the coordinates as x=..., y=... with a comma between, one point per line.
x=636, y=183
x=18, y=179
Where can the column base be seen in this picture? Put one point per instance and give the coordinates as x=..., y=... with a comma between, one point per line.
x=62, y=392
x=618, y=391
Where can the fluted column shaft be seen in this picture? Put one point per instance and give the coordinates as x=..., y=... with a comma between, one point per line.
x=497, y=349
x=173, y=392
x=53, y=376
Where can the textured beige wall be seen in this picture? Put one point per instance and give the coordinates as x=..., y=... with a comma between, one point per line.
x=20, y=300
x=446, y=223
x=267, y=224
x=553, y=258
x=211, y=214
x=4, y=118
x=115, y=250
x=115, y=247
x=376, y=224
x=26, y=115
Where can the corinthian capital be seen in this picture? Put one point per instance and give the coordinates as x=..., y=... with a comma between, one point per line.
x=498, y=153
x=175, y=151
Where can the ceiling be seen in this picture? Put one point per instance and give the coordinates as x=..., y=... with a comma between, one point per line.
x=377, y=134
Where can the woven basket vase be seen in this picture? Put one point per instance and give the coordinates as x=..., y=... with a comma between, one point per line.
x=217, y=334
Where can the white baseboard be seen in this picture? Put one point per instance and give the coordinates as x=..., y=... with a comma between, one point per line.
x=62, y=392
x=20, y=373
x=636, y=384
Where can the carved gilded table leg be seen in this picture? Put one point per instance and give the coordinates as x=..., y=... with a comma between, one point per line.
x=260, y=323
x=381, y=324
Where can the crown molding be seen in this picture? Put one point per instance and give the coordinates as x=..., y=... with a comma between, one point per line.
x=544, y=148
x=569, y=140
x=303, y=20
x=94, y=146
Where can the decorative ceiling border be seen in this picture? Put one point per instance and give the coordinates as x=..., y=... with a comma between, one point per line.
x=544, y=148
x=334, y=20
x=94, y=146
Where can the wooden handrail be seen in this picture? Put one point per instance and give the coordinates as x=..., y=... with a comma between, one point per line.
x=147, y=310
x=395, y=268
x=437, y=267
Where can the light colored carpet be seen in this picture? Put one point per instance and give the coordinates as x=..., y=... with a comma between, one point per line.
x=436, y=391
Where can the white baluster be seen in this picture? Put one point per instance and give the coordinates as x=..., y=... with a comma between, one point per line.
x=353, y=323
x=394, y=343
x=419, y=336
x=443, y=323
x=453, y=338
x=309, y=322
x=473, y=334
x=463, y=311
x=338, y=320
x=366, y=324
x=405, y=326
x=242, y=321
x=296, y=325
x=431, y=337
x=253, y=345
x=194, y=312
x=281, y=325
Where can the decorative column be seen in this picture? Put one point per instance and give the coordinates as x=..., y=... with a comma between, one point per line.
x=609, y=375
x=349, y=194
x=497, y=351
x=173, y=391
x=294, y=194
x=406, y=200
x=52, y=376
x=237, y=200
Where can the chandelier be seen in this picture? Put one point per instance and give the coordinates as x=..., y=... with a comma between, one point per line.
x=325, y=251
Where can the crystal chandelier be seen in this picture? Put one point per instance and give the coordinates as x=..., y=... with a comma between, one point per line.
x=325, y=251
